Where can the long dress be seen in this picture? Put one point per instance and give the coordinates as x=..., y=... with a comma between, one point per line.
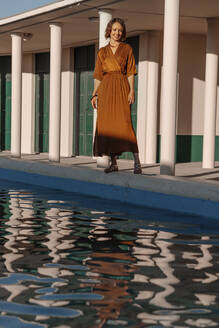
x=114, y=131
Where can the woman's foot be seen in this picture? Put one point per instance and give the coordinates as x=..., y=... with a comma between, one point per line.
x=111, y=168
x=137, y=168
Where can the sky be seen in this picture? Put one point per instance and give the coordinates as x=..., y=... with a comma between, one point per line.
x=13, y=7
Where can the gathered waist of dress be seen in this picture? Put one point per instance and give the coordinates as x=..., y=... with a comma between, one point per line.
x=114, y=72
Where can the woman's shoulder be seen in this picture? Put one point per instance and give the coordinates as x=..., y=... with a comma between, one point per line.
x=102, y=51
x=128, y=46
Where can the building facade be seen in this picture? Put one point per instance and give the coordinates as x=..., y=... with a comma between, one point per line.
x=47, y=58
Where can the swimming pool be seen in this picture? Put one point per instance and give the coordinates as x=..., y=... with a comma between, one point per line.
x=72, y=261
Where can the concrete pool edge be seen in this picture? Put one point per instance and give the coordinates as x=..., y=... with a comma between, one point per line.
x=120, y=187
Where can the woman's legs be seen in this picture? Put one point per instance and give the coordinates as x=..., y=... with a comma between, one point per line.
x=137, y=164
x=113, y=165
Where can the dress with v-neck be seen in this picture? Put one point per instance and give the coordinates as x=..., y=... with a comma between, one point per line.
x=114, y=130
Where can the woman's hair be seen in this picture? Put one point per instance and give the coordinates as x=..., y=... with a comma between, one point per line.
x=109, y=28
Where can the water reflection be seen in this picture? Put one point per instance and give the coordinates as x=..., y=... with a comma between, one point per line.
x=66, y=266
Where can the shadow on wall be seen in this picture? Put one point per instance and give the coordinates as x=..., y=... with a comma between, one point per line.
x=192, y=50
x=191, y=92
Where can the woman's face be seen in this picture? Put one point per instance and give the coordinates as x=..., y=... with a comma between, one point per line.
x=116, y=32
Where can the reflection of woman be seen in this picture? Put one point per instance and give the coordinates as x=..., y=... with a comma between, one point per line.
x=114, y=83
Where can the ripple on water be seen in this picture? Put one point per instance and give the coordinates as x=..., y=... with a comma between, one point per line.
x=15, y=278
x=73, y=296
x=67, y=262
x=52, y=311
x=14, y=322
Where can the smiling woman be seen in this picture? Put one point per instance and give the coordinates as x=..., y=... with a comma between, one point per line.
x=11, y=7
x=114, y=84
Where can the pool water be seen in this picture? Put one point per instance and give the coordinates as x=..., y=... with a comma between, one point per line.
x=71, y=261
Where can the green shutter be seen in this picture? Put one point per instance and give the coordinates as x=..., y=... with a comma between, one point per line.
x=42, y=102
x=83, y=112
x=5, y=102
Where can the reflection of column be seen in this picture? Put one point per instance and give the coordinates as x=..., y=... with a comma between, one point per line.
x=205, y=260
x=58, y=223
x=55, y=91
x=13, y=233
x=53, y=236
x=16, y=94
x=58, y=228
x=20, y=209
x=169, y=87
x=157, y=244
x=211, y=78
x=163, y=263
x=105, y=16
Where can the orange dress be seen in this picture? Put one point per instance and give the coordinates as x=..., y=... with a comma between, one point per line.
x=114, y=130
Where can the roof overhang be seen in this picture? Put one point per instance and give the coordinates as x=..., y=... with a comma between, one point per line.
x=79, y=28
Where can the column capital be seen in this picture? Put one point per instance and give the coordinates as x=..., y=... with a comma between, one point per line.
x=20, y=34
x=105, y=10
x=58, y=24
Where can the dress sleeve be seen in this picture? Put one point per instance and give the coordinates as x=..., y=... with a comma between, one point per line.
x=98, y=72
x=131, y=67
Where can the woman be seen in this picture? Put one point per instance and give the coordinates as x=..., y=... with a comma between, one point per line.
x=114, y=84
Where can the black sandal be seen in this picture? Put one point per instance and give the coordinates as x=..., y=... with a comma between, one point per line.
x=111, y=168
x=137, y=168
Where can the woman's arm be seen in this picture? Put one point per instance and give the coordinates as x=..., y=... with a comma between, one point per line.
x=131, y=95
x=94, y=94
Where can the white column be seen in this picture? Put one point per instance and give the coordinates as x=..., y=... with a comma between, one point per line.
x=55, y=91
x=152, y=97
x=211, y=79
x=105, y=15
x=148, y=81
x=169, y=87
x=28, y=105
x=16, y=94
x=142, y=94
x=67, y=102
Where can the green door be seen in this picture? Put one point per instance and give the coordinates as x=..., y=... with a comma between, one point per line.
x=5, y=103
x=42, y=102
x=134, y=42
x=84, y=61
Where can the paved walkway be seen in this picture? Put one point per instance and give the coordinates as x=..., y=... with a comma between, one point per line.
x=186, y=172
x=80, y=174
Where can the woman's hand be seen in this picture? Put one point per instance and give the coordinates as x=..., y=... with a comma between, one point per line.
x=94, y=102
x=131, y=97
